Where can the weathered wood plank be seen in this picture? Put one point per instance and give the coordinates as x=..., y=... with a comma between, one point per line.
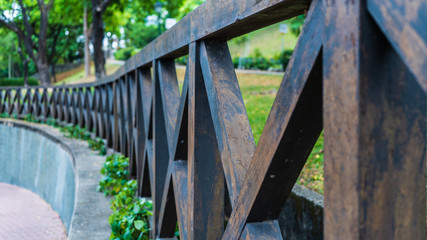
x=167, y=223
x=180, y=181
x=140, y=133
x=160, y=147
x=205, y=175
x=404, y=24
x=375, y=125
x=232, y=129
x=291, y=130
x=170, y=95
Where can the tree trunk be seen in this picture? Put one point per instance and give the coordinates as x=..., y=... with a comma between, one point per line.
x=87, y=39
x=26, y=72
x=42, y=60
x=44, y=75
x=97, y=41
x=53, y=72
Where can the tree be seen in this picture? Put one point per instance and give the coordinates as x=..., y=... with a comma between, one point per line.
x=98, y=9
x=87, y=33
x=23, y=26
x=105, y=14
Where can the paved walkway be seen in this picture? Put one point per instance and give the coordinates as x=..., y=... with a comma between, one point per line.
x=24, y=215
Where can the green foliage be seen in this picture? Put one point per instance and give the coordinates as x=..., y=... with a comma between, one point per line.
x=52, y=122
x=130, y=221
x=139, y=35
x=9, y=47
x=30, y=118
x=98, y=145
x=4, y=115
x=130, y=214
x=256, y=61
x=75, y=132
x=18, y=82
x=115, y=171
x=188, y=6
x=182, y=60
x=285, y=56
x=125, y=53
x=295, y=24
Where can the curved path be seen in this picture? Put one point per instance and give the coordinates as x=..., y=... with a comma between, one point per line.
x=25, y=215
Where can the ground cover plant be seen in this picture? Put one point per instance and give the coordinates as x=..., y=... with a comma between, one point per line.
x=130, y=213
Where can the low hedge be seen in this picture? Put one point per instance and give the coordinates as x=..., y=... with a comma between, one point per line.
x=18, y=81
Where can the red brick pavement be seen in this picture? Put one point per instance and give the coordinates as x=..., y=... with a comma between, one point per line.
x=24, y=215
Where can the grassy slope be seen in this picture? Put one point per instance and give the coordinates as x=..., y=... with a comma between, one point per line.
x=78, y=75
x=268, y=40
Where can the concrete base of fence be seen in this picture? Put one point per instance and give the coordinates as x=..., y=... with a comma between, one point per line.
x=64, y=172
x=302, y=216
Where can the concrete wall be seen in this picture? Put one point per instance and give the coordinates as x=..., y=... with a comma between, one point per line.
x=302, y=216
x=35, y=162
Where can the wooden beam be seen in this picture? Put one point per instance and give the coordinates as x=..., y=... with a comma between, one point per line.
x=234, y=134
x=205, y=175
x=291, y=131
x=404, y=24
x=374, y=114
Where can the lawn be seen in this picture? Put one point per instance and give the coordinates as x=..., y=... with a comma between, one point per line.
x=78, y=75
x=258, y=93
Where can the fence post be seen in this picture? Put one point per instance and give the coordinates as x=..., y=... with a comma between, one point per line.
x=374, y=126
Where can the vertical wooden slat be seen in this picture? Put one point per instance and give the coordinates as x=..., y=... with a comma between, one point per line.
x=160, y=147
x=109, y=110
x=375, y=126
x=205, y=173
x=231, y=122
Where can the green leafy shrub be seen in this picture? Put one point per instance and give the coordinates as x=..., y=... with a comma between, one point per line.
x=4, y=115
x=115, y=171
x=255, y=61
x=18, y=82
x=182, y=60
x=98, y=145
x=52, y=122
x=130, y=221
x=75, y=132
x=125, y=53
x=285, y=57
x=30, y=118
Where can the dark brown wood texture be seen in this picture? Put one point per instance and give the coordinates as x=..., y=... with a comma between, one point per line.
x=358, y=72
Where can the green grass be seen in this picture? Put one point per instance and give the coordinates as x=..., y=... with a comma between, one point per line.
x=259, y=38
x=259, y=92
x=79, y=77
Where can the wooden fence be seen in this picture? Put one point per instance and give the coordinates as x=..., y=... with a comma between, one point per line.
x=359, y=71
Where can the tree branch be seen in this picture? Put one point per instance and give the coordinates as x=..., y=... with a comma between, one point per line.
x=53, y=49
x=105, y=4
x=28, y=28
x=11, y=26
